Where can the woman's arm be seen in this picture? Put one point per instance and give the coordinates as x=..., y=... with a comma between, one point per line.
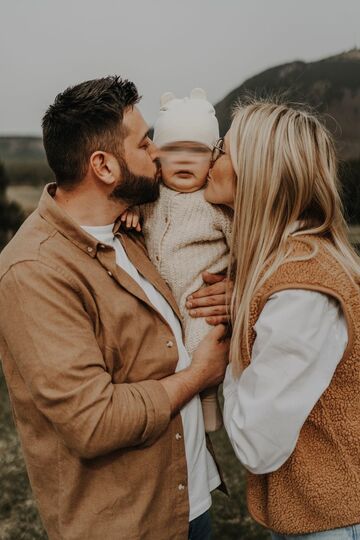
x=300, y=339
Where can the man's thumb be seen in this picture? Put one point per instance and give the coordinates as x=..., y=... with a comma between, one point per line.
x=219, y=331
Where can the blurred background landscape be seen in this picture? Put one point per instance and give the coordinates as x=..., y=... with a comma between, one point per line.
x=306, y=52
x=331, y=86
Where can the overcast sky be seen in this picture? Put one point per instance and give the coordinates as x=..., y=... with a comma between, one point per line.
x=47, y=45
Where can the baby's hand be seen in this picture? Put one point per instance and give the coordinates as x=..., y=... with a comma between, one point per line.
x=131, y=218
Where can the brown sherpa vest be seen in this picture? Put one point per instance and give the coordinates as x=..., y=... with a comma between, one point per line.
x=318, y=487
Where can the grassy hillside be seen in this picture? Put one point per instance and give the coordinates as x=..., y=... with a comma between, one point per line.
x=18, y=514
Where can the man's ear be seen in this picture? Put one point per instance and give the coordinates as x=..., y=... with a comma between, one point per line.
x=105, y=167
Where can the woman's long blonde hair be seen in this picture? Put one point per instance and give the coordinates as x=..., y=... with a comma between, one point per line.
x=286, y=171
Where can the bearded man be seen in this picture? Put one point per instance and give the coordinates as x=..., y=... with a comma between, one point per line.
x=104, y=396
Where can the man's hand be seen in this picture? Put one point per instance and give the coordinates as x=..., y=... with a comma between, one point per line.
x=206, y=370
x=211, y=357
x=211, y=302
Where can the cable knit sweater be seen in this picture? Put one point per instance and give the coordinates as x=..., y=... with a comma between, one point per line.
x=318, y=487
x=185, y=235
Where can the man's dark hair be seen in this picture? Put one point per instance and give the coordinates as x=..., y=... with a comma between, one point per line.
x=85, y=118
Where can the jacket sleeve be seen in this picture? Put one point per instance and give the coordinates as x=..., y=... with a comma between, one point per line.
x=51, y=339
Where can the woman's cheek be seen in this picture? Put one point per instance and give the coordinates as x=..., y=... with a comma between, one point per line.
x=210, y=192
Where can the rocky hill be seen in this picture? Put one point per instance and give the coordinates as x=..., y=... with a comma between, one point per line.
x=331, y=86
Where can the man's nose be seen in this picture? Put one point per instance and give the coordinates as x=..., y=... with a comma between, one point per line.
x=154, y=151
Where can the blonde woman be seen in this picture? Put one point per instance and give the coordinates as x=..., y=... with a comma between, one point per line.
x=292, y=389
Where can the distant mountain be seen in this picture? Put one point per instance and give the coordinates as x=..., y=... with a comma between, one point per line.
x=331, y=86
x=15, y=148
x=25, y=160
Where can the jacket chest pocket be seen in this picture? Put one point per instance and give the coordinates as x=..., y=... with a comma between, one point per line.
x=135, y=342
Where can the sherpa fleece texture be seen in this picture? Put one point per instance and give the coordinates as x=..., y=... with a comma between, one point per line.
x=318, y=487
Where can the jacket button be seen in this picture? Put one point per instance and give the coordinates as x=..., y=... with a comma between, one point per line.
x=90, y=249
x=169, y=343
x=110, y=273
x=178, y=436
x=181, y=487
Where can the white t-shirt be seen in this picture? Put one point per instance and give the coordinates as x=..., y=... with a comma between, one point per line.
x=203, y=476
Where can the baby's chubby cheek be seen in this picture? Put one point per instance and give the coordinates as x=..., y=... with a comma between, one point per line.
x=166, y=174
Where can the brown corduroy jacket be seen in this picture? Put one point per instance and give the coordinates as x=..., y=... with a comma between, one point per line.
x=83, y=350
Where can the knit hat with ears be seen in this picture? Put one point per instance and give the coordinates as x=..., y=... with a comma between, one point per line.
x=187, y=119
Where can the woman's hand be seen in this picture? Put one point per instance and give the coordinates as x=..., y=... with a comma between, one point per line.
x=211, y=302
x=131, y=218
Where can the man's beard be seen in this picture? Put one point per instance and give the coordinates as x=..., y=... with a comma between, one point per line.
x=133, y=189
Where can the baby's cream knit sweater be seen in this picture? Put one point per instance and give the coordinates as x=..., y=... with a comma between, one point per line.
x=185, y=235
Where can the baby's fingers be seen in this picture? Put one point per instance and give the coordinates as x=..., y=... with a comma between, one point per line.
x=135, y=220
x=129, y=220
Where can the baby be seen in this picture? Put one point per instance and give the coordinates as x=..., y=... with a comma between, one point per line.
x=184, y=234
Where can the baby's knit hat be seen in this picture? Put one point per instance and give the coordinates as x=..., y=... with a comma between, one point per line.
x=187, y=119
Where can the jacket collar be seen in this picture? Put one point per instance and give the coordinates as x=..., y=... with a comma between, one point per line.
x=65, y=225
x=54, y=214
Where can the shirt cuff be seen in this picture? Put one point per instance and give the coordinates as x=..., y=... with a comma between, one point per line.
x=158, y=409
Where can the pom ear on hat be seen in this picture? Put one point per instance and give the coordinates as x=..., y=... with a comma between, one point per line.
x=187, y=119
x=198, y=93
x=165, y=98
